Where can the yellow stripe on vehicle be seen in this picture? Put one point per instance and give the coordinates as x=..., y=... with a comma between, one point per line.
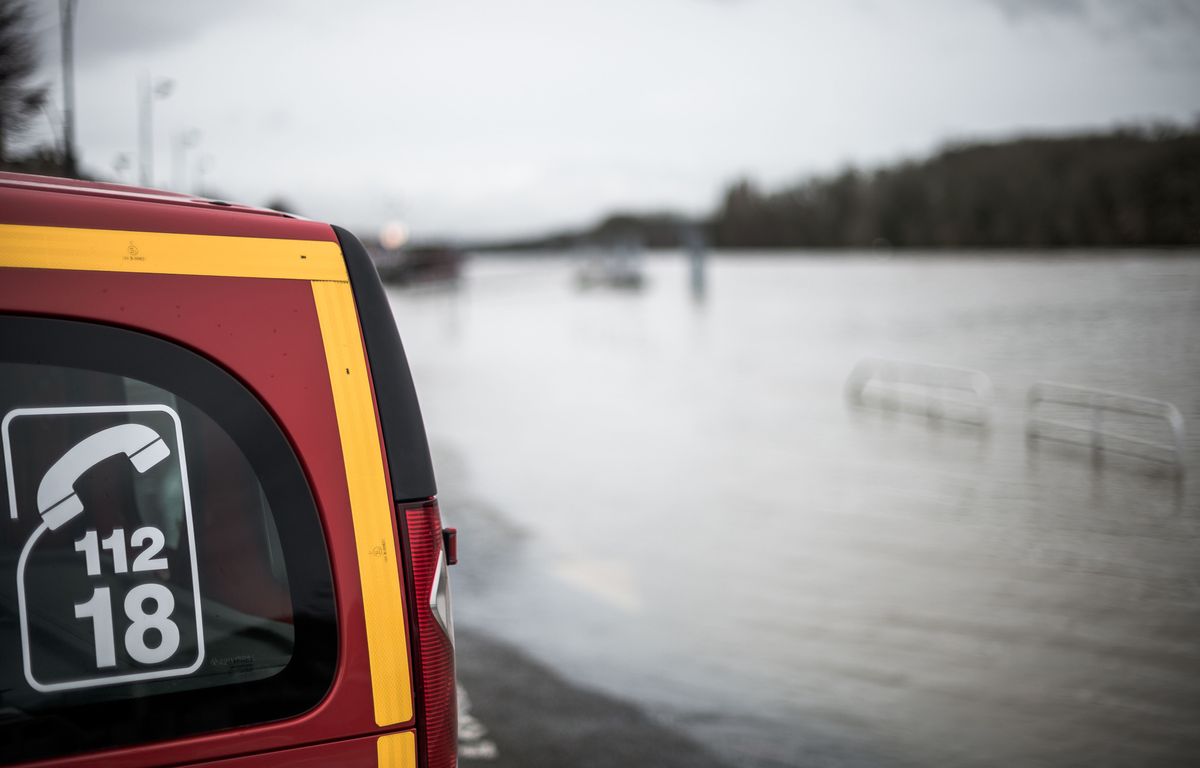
x=111, y=250
x=397, y=750
x=370, y=502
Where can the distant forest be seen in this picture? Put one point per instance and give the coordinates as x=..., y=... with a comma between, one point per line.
x=1130, y=187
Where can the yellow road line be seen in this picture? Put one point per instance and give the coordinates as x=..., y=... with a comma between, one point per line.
x=370, y=502
x=106, y=250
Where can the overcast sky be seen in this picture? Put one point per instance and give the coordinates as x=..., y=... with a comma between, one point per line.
x=485, y=117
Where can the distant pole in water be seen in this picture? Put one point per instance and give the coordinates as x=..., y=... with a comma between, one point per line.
x=693, y=241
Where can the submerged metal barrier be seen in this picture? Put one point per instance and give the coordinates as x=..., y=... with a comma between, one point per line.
x=934, y=391
x=1097, y=403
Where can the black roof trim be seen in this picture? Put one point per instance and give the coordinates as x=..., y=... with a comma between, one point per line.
x=399, y=413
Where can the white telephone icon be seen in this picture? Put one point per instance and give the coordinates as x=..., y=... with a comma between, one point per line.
x=56, y=498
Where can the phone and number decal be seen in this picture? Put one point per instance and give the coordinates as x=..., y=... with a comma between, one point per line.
x=106, y=581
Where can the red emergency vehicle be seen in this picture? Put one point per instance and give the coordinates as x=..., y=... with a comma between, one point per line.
x=219, y=537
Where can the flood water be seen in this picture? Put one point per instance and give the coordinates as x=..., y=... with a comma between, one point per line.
x=670, y=499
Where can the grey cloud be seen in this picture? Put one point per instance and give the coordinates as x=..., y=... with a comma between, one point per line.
x=1108, y=15
x=121, y=27
x=1018, y=10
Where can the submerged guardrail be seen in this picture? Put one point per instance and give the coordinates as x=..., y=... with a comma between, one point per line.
x=1096, y=403
x=934, y=391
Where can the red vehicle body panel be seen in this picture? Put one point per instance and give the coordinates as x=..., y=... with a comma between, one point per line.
x=266, y=333
x=350, y=753
x=38, y=201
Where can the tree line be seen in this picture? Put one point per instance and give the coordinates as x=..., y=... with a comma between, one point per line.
x=1130, y=187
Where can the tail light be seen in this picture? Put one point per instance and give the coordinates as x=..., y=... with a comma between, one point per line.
x=433, y=655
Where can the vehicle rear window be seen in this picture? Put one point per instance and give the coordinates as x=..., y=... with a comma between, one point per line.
x=162, y=566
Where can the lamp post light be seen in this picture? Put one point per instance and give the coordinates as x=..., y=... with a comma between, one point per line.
x=150, y=91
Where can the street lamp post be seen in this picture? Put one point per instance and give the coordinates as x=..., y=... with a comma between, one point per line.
x=121, y=164
x=66, y=10
x=203, y=165
x=184, y=140
x=150, y=90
